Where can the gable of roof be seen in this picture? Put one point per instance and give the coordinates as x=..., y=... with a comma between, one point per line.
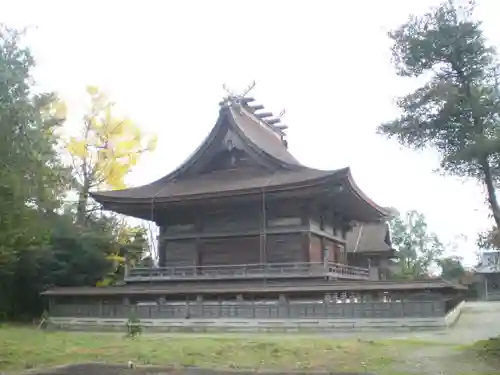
x=239, y=126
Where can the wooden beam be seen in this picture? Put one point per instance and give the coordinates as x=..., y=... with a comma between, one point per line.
x=256, y=107
x=281, y=127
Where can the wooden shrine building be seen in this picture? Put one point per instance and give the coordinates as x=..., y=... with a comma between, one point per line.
x=488, y=276
x=243, y=222
x=369, y=245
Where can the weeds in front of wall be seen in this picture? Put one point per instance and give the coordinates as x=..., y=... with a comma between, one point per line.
x=134, y=328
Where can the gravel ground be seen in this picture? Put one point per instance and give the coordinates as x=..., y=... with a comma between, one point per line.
x=478, y=321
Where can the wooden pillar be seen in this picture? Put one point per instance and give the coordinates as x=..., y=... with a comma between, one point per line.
x=162, y=246
x=336, y=224
x=486, y=296
x=198, y=225
x=306, y=223
x=263, y=228
x=324, y=257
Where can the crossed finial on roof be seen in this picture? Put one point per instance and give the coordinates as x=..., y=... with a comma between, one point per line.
x=232, y=95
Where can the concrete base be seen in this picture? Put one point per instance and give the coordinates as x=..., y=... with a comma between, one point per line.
x=260, y=325
x=452, y=317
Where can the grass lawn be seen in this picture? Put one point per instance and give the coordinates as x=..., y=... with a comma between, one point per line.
x=488, y=350
x=24, y=348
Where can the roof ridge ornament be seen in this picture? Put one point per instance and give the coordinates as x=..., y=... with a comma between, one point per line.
x=240, y=101
x=234, y=98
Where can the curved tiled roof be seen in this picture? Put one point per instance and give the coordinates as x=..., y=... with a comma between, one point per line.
x=223, y=181
x=266, y=145
x=262, y=137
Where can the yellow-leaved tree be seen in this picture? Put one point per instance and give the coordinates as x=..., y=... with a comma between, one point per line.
x=106, y=149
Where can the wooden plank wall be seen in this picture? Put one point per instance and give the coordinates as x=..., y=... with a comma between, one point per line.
x=237, y=219
x=315, y=249
x=285, y=248
x=180, y=253
x=251, y=310
x=238, y=161
x=234, y=250
x=235, y=235
x=333, y=255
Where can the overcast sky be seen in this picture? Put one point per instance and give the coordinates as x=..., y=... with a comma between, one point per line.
x=326, y=62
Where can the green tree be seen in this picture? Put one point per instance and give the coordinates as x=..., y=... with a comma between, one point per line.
x=418, y=248
x=456, y=111
x=31, y=174
x=129, y=246
x=451, y=268
x=32, y=178
x=40, y=246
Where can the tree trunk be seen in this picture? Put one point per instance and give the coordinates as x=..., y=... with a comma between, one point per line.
x=83, y=198
x=490, y=188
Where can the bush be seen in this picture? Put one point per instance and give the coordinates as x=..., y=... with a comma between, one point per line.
x=134, y=327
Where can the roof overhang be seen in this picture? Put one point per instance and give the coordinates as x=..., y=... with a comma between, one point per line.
x=388, y=253
x=325, y=287
x=349, y=199
x=334, y=187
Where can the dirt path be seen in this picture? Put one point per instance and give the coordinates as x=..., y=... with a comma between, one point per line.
x=479, y=321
